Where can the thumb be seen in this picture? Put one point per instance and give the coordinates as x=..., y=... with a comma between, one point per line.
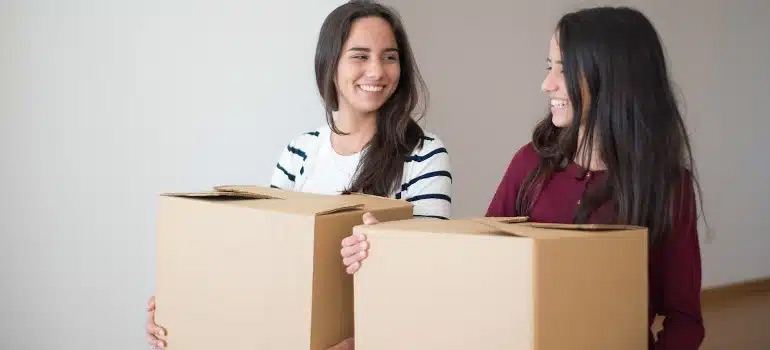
x=151, y=304
x=369, y=219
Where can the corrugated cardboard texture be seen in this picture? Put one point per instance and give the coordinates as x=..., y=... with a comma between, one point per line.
x=484, y=284
x=239, y=273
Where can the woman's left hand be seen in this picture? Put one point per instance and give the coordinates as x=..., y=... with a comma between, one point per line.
x=355, y=247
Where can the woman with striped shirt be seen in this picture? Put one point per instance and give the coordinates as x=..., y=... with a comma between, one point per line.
x=312, y=163
x=372, y=93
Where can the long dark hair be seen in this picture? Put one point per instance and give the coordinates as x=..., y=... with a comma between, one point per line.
x=398, y=134
x=617, y=81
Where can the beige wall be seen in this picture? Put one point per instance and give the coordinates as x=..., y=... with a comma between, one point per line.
x=484, y=61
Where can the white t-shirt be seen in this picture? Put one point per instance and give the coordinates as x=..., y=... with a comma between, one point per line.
x=335, y=176
x=310, y=164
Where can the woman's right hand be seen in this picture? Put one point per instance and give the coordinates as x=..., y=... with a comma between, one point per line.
x=155, y=333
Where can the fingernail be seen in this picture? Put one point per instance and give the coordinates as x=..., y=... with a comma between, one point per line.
x=362, y=245
x=362, y=254
x=360, y=237
x=161, y=345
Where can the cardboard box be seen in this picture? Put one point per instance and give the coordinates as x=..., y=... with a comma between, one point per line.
x=256, y=268
x=491, y=284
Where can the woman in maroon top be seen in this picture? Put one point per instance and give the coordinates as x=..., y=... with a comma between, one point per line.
x=623, y=160
x=614, y=149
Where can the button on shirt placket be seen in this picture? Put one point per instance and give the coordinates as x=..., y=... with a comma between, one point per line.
x=586, y=180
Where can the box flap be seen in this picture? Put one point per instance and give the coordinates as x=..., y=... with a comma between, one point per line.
x=507, y=226
x=501, y=225
x=372, y=202
x=503, y=219
x=253, y=190
x=218, y=195
x=583, y=227
x=549, y=230
x=289, y=201
x=301, y=202
x=330, y=205
x=471, y=227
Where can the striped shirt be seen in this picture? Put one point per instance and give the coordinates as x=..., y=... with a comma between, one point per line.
x=309, y=164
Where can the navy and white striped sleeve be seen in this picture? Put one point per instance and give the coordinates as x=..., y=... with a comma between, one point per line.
x=428, y=185
x=286, y=170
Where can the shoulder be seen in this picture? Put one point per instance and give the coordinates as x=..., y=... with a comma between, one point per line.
x=300, y=148
x=524, y=161
x=310, y=139
x=293, y=158
x=526, y=156
x=306, y=144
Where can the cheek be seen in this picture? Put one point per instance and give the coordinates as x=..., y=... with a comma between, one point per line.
x=346, y=74
x=562, y=84
x=569, y=115
x=394, y=74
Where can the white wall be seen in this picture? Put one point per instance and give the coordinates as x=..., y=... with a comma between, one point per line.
x=105, y=103
x=484, y=61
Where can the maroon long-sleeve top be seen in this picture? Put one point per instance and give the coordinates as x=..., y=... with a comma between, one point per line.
x=674, y=263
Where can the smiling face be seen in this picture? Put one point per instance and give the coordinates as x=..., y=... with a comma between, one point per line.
x=555, y=86
x=369, y=68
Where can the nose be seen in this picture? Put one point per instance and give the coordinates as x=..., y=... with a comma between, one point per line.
x=374, y=69
x=549, y=83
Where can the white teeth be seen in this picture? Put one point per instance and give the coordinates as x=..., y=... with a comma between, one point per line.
x=558, y=103
x=371, y=88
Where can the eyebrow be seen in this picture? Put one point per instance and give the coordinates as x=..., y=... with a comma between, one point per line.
x=549, y=61
x=366, y=49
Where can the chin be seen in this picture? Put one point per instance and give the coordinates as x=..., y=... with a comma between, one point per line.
x=368, y=107
x=561, y=121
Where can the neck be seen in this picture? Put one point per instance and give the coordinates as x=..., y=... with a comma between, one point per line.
x=596, y=158
x=359, y=127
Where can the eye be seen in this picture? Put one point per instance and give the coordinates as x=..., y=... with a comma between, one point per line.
x=360, y=57
x=391, y=58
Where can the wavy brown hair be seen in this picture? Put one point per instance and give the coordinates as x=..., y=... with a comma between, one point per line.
x=398, y=134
